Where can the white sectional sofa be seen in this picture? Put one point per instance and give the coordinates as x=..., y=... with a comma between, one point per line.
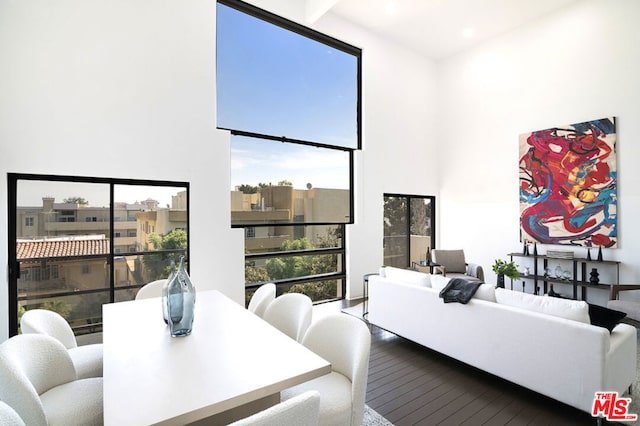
x=566, y=359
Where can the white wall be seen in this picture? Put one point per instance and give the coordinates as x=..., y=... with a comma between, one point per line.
x=576, y=65
x=126, y=88
x=399, y=139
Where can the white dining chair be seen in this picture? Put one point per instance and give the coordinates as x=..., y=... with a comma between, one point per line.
x=262, y=297
x=301, y=410
x=9, y=417
x=38, y=380
x=345, y=342
x=150, y=290
x=291, y=314
x=87, y=359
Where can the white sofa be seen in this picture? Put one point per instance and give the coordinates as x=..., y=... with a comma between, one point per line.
x=564, y=359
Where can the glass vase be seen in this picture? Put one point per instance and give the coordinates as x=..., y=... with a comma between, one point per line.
x=181, y=299
x=165, y=288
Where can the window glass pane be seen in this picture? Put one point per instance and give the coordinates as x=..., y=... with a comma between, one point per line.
x=274, y=81
x=395, y=232
x=62, y=243
x=297, y=252
x=274, y=182
x=420, y=239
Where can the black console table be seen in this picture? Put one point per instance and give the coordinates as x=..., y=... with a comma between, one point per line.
x=579, y=277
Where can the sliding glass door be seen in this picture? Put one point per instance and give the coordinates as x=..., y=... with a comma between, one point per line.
x=409, y=229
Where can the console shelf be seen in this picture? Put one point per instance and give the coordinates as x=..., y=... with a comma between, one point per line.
x=579, y=278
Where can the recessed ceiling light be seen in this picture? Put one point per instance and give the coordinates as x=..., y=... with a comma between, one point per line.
x=467, y=33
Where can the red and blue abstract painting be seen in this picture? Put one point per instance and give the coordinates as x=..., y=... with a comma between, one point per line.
x=568, y=185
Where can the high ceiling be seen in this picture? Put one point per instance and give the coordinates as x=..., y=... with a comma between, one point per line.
x=441, y=28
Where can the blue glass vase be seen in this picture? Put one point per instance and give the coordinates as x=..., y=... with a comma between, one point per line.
x=181, y=299
x=165, y=288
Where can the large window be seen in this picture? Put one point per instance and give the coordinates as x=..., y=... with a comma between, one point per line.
x=90, y=241
x=291, y=98
x=409, y=229
x=278, y=78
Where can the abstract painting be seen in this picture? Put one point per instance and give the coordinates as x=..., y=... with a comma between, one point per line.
x=568, y=181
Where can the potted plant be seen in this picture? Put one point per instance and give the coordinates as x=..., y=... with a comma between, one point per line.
x=503, y=268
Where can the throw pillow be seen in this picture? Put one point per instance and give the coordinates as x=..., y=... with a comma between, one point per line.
x=576, y=310
x=407, y=276
x=605, y=317
x=486, y=292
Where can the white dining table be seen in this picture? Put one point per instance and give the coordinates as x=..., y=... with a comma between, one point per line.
x=231, y=365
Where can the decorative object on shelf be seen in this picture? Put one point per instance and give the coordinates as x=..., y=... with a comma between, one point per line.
x=566, y=275
x=503, y=268
x=523, y=286
x=547, y=272
x=181, y=299
x=594, y=276
x=525, y=248
x=588, y=253
x=558, y=272
x=552, y=293
x=428, y=255
x=165, y=289
x=560, y=254
x=600, y=254
x=547, y=195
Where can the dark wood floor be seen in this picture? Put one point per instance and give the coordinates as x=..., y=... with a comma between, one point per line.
x=412, y=385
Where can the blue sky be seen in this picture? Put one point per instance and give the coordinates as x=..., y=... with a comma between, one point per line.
x=275, y=82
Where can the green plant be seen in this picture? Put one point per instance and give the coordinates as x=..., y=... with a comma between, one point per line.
x=508, y=269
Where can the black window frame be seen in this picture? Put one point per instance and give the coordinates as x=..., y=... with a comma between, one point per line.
x=13, y=263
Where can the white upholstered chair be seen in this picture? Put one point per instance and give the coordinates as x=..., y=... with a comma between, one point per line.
x=453, y=264
x=291, y=314
x=301, y=410
x=345, y=342
x=263, y=296
x=152, y=289
x=38, y=380
x=9, y=417
x=87, y=359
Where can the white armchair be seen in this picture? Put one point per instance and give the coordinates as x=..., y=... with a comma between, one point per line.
x=8, y=416
x=301, y=410
x=345, y=342
x=263, y=296
x=150, y=290
x=38, y=380
x=452, y=264
x=291, y=314
x=87, y=359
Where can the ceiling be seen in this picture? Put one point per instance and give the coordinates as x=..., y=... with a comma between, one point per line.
x=436, y=28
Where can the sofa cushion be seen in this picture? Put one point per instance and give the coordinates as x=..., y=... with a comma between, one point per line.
x=407, y=276
x=576, y=310
x=605, y=317
x=486, y=292
x=439, y=282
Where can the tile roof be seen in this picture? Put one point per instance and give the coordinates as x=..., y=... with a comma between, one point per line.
x=27, y=249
